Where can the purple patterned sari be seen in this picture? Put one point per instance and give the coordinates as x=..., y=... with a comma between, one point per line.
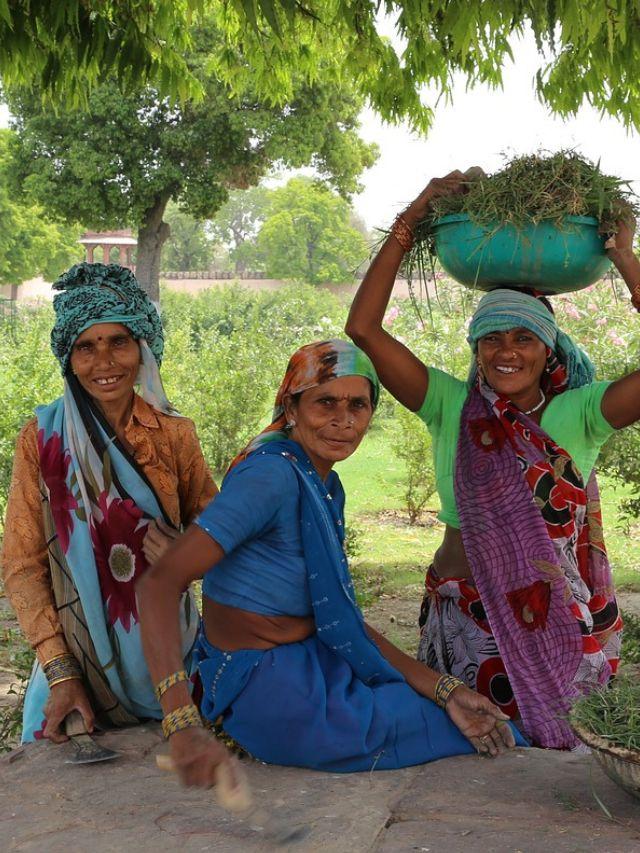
x=541, y=573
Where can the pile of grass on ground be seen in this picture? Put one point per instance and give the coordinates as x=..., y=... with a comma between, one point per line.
x=612, y=714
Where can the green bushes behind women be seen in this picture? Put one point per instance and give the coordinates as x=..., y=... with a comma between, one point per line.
x=225, y=353
x=227, y=348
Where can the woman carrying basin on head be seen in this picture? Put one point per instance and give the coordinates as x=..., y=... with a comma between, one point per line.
x=519, y=599
x=285, y=658
x=103, y=479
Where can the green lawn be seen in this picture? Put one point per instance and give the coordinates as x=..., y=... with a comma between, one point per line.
x=391, y=555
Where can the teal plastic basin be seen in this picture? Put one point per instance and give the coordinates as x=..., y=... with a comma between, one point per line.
x=543, y=256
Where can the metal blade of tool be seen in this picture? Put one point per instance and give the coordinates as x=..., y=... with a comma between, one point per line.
x=87, y=751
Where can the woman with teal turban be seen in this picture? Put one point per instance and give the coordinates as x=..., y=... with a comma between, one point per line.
x=519, y=598
x=103, y=477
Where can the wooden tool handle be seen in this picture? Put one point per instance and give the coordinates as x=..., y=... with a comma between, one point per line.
x=74, y=724
x=233, y=798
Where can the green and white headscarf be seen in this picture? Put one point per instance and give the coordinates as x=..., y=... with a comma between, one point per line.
x=502, y=309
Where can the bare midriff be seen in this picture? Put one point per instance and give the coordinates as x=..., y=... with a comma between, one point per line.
x=450, y=560
x=231, y=628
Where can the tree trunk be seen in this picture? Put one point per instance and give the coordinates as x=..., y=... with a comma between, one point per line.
x=152, y=234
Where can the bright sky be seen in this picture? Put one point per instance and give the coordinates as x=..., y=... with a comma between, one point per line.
x=474, y=129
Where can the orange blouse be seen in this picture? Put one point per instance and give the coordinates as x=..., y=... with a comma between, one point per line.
x=168, y=451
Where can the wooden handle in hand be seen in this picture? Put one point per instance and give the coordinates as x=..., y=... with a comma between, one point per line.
x=74, y=724
x=233, y=798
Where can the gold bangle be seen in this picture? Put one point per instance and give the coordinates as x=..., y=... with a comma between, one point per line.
x=184, y=717
x=55, y=657
x=175, y=678
x=64, y=678
x=60, y=668
x=403, y=233
x=445, y=686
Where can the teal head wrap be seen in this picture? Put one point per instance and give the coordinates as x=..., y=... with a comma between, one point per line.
x=502, y=309
x=102, y=293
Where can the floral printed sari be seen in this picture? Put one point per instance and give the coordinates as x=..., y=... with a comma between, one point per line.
x=97, y=503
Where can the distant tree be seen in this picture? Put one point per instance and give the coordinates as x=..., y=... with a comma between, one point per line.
x=237, y=224
x=307, y=235
x=30, y=243
x=189, y=246
x=123, y=159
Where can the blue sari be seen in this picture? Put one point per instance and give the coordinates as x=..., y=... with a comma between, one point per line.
x=331, y=702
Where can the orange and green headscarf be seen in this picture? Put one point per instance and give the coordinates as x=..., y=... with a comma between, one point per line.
x=310, y=366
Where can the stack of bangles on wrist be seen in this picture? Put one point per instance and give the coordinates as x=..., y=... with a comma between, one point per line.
x=635, y=297
x=61, y=668
x=184, y=717
x=403, y=233
x=445, y=686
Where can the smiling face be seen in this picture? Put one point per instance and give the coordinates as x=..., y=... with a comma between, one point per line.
x=513, y=363
x=105, y=359
x=331, y=420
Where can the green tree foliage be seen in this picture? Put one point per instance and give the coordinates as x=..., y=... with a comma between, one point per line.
x=307, y=235
x=589, y=50
x=189, y=246
x=412, y=444
x=120, y=161
x=30, y=243
x=67, y=46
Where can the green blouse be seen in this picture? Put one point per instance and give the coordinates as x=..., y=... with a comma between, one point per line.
x=574, y=420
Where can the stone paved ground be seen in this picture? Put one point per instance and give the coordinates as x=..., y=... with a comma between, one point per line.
x=528, y=802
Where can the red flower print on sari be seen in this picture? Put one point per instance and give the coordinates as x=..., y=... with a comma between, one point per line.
x=530, y=604
x=117, y=545
x=54, y=466
x=487, y=434
x=39, y=733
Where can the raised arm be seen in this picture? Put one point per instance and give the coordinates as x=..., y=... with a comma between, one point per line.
x=400, y=371
x=621, y=401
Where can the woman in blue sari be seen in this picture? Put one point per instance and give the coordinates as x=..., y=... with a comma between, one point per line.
x=103, y=476
x=285, y=658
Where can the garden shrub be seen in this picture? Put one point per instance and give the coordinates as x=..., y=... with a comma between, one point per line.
x=29, y=377
x=222, y=385
x=227, y=350
x=411, y=442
